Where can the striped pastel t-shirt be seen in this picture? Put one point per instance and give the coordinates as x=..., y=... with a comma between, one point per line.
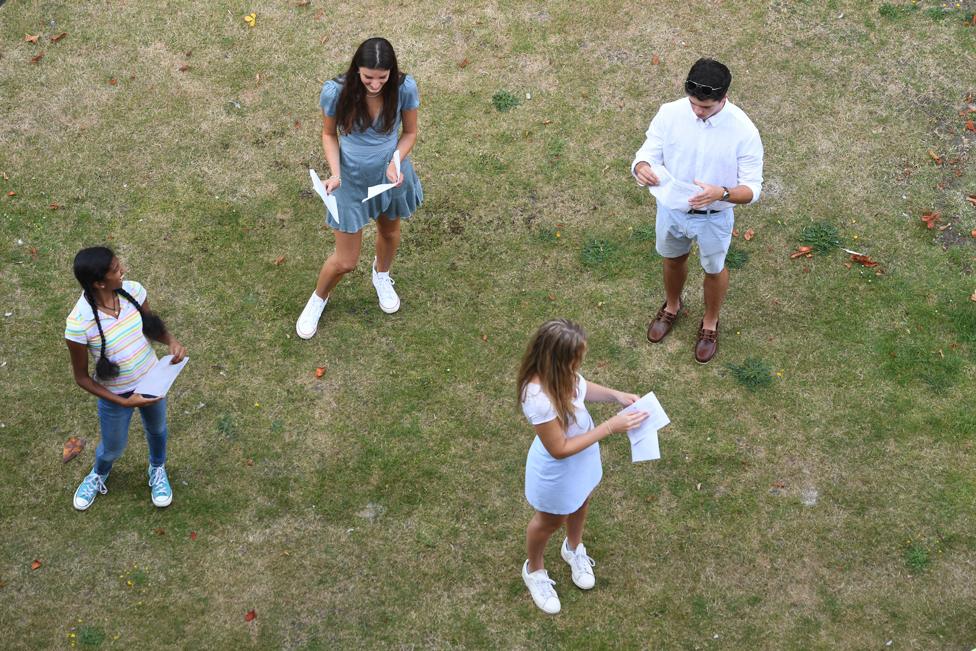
x=124, y=342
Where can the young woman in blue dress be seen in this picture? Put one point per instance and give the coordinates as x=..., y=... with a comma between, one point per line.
x=563, y=465
x=369, y=113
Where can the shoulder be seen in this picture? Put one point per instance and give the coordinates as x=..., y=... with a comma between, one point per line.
x=81, y=313
x=536, y=405
x=673, y=108
x=409, y=93
x=330, y=92
x=135, y=290
x=580, y=386
x=741, y=120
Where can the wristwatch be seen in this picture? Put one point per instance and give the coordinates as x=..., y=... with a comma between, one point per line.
x=725, y=193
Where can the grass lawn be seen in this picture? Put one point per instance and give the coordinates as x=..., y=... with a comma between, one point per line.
x=381, y=505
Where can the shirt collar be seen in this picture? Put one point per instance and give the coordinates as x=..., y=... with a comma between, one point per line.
x=716, y=119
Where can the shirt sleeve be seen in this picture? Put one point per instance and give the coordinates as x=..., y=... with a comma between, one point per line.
x=136, y=291
x=409, y=95
x=537, y=407
x=750, y=165
x=652, y=151
x=329, y=97
x=75, y=328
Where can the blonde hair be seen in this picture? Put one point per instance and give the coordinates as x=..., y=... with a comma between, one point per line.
x=553, y=356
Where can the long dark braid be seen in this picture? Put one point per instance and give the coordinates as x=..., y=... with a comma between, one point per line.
x=152, y=326
x=105, y=368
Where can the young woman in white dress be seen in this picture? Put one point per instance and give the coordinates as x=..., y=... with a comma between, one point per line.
x=563, y=465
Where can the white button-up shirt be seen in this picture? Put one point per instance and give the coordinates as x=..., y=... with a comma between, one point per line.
x=723, y=150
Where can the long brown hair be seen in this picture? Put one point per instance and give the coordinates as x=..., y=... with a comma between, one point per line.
x=553, y=356
x=352, y=113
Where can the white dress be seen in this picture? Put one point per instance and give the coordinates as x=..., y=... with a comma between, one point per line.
x=559, y=486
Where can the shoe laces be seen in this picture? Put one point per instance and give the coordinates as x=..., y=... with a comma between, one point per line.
x=582, y=563
x=543, y=585
x=93, y=483
x=157, y=476
x=384, y=284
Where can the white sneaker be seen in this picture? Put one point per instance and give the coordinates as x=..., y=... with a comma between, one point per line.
x=581, y=564
x=389, y=301
x=540, y=587
x=308, y=322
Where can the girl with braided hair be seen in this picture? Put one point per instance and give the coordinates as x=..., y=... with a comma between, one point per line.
x=113, y=322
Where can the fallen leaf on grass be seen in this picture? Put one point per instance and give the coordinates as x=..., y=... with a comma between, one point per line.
x=33, y=252
x=279, y=260
x=251, y=19
x=801, y=251
x=184, y=67
x=971, y=198
x=55, y=206
x=464, y=63
x=320, y=371
x=36, y=565
x=72, y=448
x=298, y=124
x=748, y=235
x=973, y=233
x=930, y=218
x=31, y=38
x=655, y=59
x=113, y=81
x=11, y=194
x=249, y=462
x=250, y=615
x=935, y=157
x=970, y=125
x=864, y=260
x=160, y=531
x=55, y=39
x=303, y=3
x=551, y=297
x=847, y=265
x=193, y=535
x=37, y=57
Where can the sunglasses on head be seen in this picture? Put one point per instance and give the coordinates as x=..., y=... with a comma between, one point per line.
x=694, y=88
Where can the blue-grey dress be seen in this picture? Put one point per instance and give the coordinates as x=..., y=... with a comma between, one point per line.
x=363, y=159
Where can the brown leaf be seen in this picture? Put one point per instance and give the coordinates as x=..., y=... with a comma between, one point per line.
x=249, y=462
x=800, y=252
x=547, y=122
x=935, y=157
x=160, y=531
x=11, y=194
x=193, y=535
x=55, y=206
x=33, y=252
x=847, y=265
x=970, y=125
x=31, y=38
x=973, y=232
x=37, y=57
x=279, y=260
x=930, y=218
x=250, y=615
x=748, y=235
x=863, y=260
x=464, y=63
x=971, y=198
x=113, y=81
x=298, y=124
x=55, y=39
x=484, y=338
x=184, y=67
x=551, y=297
x=36, y=565
x=655, y=59
x=188, y=54
x=320, y=371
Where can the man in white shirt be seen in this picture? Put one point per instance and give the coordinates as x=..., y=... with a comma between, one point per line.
x=705, y=139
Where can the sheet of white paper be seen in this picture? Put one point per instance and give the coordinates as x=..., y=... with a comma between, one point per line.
x=671, y=192
x=374, y=190
x=329, y=199
x=643, y=440
x=645, y=449
x=157, y=382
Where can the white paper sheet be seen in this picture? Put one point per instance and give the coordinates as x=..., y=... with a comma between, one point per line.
x=156, y=383
x=329, y=199
x=643, y=439
x=671, y=192
x=374, y=190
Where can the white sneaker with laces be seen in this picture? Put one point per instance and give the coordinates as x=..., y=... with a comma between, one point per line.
x=308, y=322
x=389, y=301
x=581, y=564
x=540, y=587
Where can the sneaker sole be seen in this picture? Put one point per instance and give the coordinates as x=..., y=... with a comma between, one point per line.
x=162, y=506
x=82, y=508
x=574, y=578
x=393, y=310
x=305, y=336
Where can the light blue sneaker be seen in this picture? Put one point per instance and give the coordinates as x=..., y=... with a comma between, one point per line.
x=90, y=487
x=162, y=492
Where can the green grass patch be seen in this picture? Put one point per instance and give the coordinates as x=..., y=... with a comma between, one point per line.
x=736, y=258
x=822, y=236
x=753, y=373
x=504, y=101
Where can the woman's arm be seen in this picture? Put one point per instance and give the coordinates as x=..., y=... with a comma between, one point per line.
x=554, y=438
x=599, y=393
x=79, y=368
x=408, y=137
x=330, y=143
x=176, y=349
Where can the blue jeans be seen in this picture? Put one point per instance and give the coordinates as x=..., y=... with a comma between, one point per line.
x=114, y=420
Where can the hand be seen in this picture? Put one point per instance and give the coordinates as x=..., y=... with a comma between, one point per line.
x=139, y=400
x=645, y=175
x=626, y=421
x=625, y=399
x=391, y=175
x=332, y=184
x=709, y=194
x=177, y=350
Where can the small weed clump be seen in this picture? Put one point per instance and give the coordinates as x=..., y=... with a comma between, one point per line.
x=504, y=101
x=644, y=233
x=893, y=12
x=753, y=373
x=916, y=557
x=736, y=258
x=596, y=252
x=822, y=236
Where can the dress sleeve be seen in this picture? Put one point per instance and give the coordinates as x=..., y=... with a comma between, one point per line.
x=537, y=407
x=329, y=97
x=409, y=95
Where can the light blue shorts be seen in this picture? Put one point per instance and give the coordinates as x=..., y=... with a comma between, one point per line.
x=676, y=230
